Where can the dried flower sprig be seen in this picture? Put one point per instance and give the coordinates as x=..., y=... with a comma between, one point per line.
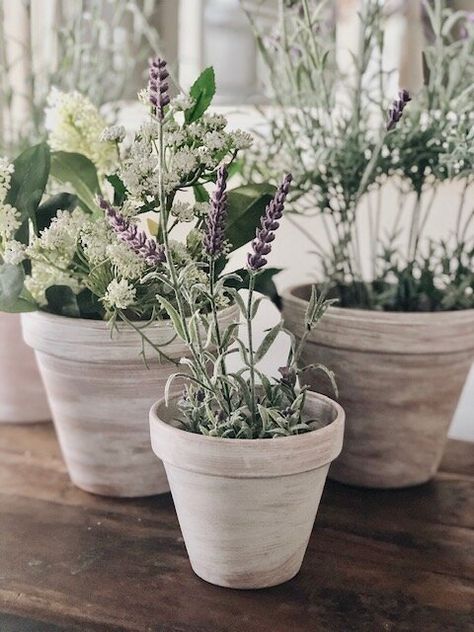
x=214, y=236
x=261, y=245
x=135, y=238
x=396, y=109
x=158, y=85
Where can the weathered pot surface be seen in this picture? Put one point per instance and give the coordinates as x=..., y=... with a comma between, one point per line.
x=246, y=507
x=22, y=395
x=400, y=376
x=100, y=391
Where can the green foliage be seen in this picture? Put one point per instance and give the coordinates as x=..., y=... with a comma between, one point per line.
x=80, y=173
x=246, y=206
x=13, y=297
x=28, y=184
x=47, y=211
x=202, y=91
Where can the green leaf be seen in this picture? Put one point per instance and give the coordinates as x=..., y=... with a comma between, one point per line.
x=80, y=173
x=246, y=207
x=174, y=316
x=267, y=342
x=120, y=190
x=28, y=184
x=47, y=211
x=62, y=300
x=202, y=91
x=200, y=193
x=13, y=296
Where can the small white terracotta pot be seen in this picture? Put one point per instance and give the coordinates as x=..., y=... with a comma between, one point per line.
x=100, y=392
x=400, y=376
x=246, y=507
x=22, y=395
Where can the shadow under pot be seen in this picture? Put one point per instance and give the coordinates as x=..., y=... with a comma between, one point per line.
x=246, y=507
x=100, y=393
x=22, y=395
x=400, y=376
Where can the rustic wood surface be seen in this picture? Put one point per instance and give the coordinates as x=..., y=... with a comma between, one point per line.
x=388, y=561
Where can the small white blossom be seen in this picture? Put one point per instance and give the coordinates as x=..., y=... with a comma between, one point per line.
x=214, y=121
x=215, y=141
x=119, y=294
x=113, y=134
x=182, y=102
x=184, y=161
x=6, y=170
x=201, y=209
x=14, y=252
x=9, y=221
x=127, y=263
x=149, y=131
x=44, y=276
x=241, y=139
x=183, y=211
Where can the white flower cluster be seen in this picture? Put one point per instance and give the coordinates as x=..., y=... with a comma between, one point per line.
x=119, y=295
x=44, y=276
x=139, y=172
x=183, y=211
x=15, y=252
x=113, y=134
x=58, y=242
x=9, y=216
x=75, y=125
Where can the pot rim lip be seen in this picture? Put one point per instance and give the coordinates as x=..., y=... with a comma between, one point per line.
x=373, y=315
x=92, y=323
x=257, y=443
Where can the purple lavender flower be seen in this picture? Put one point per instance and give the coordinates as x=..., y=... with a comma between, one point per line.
x=215, y=226
x=136, y=239
x=396, y=109
x=261, y=245
x=157, y=85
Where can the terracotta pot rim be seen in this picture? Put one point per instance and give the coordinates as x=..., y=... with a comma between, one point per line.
x=102, y=325
x=258, y=456
x=412, y=318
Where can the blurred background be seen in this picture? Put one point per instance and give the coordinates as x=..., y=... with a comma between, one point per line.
x=100, y=48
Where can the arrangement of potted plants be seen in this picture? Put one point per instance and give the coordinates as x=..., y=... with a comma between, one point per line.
x=87, y=271
x=246, y=455
x=401, y=338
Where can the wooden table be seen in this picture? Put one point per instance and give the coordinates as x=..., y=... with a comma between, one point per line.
x=377, y=561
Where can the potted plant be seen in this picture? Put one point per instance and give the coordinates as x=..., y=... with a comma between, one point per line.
x=401, y=337
x=87, y=265
x=246, y=455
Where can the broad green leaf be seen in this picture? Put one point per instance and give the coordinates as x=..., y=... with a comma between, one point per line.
x=200, y=193
x=62, y=300
x=80, y=173
x=28, y=184
x=47, y=211
x=267, y=342
x=246, y=207
x=202, y=91
x=174, y=316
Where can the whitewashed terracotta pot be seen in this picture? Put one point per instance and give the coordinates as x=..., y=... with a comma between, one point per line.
x=246, y=507
x=22, y=395
x=100, y=393
x=400, y=376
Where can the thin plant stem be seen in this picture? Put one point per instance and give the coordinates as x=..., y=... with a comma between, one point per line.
x=250, y=345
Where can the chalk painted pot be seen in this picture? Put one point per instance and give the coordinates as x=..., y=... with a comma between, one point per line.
x=400, y=377
x=246, y=507
x=100, y=392
x=22, y=395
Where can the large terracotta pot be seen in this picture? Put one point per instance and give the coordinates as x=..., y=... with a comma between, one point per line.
x=100, y=392
x=400, y=376
x=22, y=395
x=246, y=507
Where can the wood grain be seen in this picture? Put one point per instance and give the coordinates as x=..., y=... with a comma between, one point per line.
x=400, y=376
x=377, y=561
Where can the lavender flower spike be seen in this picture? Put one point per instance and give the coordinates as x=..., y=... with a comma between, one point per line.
x=261, y=245
x=136, y=239
x=396, y=109
x=157, y=85
x=215, y=226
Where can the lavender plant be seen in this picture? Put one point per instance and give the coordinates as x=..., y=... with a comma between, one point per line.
x=331, y=130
